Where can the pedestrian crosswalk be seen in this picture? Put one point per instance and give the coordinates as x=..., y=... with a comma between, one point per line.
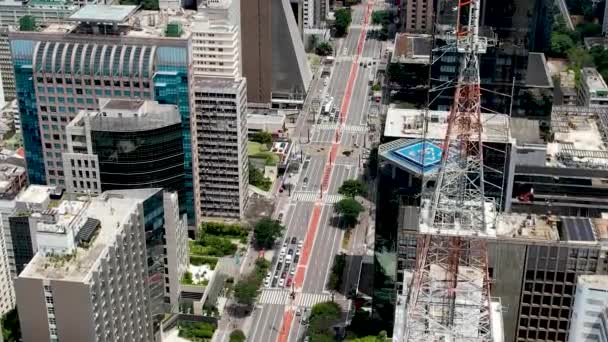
x=333, y=198
x=313, y=196
x=331, y=126
x=347, y=128
x=274, y=296
x=281, y=297
x=310, y=299
x=306, y=196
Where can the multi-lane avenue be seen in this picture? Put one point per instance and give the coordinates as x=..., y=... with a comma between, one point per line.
x=312, y=236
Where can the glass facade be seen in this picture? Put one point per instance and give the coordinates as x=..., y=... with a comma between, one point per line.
x=22, y=240
x=171, y=87
x=140, y=159
x=72, y=76
x=154, y=225
x=22, y=51
x=518, y=28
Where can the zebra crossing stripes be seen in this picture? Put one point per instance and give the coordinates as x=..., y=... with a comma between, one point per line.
x=313, y=196
x=333, y=198
x=347, y=128
x=306, y=196
x=310, y=299
x=274, y=296
x=331, y=126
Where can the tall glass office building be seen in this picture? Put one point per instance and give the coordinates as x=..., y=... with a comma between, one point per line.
x=64, y=69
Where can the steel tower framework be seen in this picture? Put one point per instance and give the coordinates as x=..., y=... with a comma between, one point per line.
x=449, y=297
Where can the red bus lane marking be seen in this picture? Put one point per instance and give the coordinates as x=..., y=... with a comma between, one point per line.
x=286, y=326
x=316, y=212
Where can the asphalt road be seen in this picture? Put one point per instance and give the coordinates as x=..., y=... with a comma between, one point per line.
x=268, y=319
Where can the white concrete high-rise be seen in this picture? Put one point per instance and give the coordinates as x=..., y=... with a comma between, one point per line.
x=95, y=276
x=219, y=104
x=588, y=321
x=216, y=50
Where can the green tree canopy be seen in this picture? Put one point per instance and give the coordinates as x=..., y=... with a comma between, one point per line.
x=323, y=316
x=237, y=336
x=11, y=330
x=324, y=49
x=246, y=290
x=343, y=20
x=262, y=137
x=560, y=43
x=265, y=232
x=589, y=29
x=349, y=209
x=352, y=188
x=579, y=58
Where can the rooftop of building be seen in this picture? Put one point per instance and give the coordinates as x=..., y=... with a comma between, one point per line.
x=552, y=228
x=40, y=4
x=538, y=74
x=103, y=13
x=596, y=281
x=125, y=21
x=108, y=213
x=593, y=79
x=35, y=194
x=580, y=138
x=60, y=218
x=567, y=79
x=129, y=116
x=526, y=131
x=595, y=41
x=412, y=48
x=407, y=123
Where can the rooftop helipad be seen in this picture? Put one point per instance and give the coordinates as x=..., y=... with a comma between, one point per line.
x=416, y=156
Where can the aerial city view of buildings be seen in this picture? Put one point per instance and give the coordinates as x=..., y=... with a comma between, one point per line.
x=304, y=170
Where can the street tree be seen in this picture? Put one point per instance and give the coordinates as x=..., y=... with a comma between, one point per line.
x=352, y=188
x=324, y=49
x=246, y=291
x=237, y=336
x=349, y=209
x=265, y=232
x=323, y=316
x=343, y=20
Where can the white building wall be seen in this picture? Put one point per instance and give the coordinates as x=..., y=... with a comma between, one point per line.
x=590, y=301
x=216, y=37
x=309, y=13
x=176, y=230
x=7, y=291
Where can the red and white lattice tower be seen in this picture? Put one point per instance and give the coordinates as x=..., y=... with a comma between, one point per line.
x=449, y=296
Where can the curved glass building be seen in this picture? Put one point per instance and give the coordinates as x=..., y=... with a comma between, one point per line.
x=127, y=144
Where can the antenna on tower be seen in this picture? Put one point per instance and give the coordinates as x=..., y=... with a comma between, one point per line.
x=448, y=296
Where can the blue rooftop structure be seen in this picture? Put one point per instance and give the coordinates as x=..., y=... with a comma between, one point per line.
x=417, y=156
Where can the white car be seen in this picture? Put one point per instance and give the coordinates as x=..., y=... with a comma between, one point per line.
x=283, y=250
x=267, y=282
x=292, y=272
x=301, y=243
x=281, y=282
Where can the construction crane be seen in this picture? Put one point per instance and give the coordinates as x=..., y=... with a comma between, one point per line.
x=448, y=298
